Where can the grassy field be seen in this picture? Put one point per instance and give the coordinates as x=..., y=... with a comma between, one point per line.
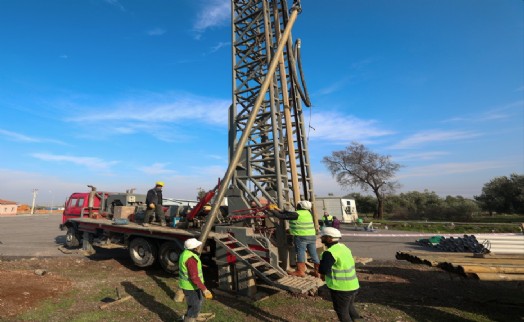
x=74, y=288
x=481, y=224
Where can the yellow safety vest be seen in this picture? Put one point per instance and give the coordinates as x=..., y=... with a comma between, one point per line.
x=343, y=276
x=183, y=274
x=304, y=225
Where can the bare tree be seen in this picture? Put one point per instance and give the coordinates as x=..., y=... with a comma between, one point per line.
x=358, y=166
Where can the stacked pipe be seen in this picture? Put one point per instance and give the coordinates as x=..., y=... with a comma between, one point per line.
x=461, y=244
x=505, y=244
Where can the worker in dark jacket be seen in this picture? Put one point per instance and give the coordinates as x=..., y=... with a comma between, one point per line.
x=302, y=228
x=191, y=279
x=154, y=205
x=337, y=267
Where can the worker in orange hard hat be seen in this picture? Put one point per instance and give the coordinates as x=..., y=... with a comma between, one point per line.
x=154, y=205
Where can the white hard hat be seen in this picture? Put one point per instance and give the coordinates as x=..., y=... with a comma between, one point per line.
x=192, y=243
x=304, y=204
x=330, y=231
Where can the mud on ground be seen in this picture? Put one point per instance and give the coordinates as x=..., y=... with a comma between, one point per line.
x=73, y=288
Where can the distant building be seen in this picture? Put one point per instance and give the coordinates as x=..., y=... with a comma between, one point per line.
x=8, y=207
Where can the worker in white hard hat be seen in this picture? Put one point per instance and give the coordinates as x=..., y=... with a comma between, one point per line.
x=337, y=268
x=191, y=279
x=302, y=227
x=154, y=205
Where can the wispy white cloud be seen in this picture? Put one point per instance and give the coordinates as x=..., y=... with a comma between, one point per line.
x=333, y=87
x=501, y=112
x=339, y=128
x=153, y=113
x=92, y=163
x=217, y=47
x=64, y=56
x=212, y=13
x=424, y=137
x=116, y=3
x=157, y=169
x=51, y=187
x=161, y=108
x=156, y=32
x=442, y=169
x=420, y=156
x=215, y=157
x=14, y=136
x=363, y=63
x=212, y=171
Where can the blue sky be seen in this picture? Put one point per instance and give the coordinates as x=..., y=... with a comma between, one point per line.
x=120, y=94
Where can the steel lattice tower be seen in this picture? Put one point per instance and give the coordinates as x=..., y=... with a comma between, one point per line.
x=275, y=159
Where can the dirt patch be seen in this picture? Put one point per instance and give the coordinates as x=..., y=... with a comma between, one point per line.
x=24, y=289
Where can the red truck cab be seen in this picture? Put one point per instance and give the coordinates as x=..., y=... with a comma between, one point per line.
x=77, y=205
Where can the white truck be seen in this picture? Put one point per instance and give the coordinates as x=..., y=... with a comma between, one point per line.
x=344, y=209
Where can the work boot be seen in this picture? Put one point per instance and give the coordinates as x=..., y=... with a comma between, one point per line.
x=300, y=271
x=315, y=272
x=188, y=319
x=145, y=224
x=163, y=223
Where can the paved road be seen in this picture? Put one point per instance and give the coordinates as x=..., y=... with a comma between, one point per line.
x=38, y=235
x=380, y=244
x=32, y=236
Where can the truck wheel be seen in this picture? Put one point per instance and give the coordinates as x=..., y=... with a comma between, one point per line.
x=168, y=256
x=71, y=239
x=142, y=251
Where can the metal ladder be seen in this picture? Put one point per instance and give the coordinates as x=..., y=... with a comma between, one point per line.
x=274, y=276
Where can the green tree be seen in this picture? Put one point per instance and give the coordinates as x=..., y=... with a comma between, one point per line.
x=358, y=166
x=503, y=195
x=366, y=204
x=428, y=205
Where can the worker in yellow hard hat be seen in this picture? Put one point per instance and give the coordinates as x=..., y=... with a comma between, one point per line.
x=154, y=205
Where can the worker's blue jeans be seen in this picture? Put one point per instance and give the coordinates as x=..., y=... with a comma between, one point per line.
x=306, y=242
x=194, y=300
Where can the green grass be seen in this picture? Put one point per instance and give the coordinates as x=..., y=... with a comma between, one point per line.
x=446, y=227
x=47, y=309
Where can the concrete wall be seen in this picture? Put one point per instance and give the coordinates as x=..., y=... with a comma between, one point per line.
x=8, y=209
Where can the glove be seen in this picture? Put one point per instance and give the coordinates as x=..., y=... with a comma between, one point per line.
x=272, y=206
x=152, y=205
x=208, y=295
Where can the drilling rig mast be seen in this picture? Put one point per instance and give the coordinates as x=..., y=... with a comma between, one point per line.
x=268, y=149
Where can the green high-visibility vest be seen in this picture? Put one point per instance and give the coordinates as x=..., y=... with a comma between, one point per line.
x=183, y=274
x=343, y=276
x=304, y=225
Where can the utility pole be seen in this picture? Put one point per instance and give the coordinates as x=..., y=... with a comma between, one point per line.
x=35, y=192
x=51, y=204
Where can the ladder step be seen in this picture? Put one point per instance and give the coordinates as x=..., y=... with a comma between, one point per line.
x=257, y=264
x=270, y=271
x=238, y=249
x=248, y=256
x=229, y=242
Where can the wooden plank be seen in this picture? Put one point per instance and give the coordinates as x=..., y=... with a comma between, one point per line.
x=499, y=277
x=492, y=269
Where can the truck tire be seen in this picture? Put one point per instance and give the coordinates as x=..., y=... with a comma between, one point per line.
x=143, y=252
x=72, y=240
x=168, y=256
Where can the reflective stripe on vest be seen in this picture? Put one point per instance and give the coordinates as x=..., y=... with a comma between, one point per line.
x=184, y=281
x=304, y=225
x=343, y=276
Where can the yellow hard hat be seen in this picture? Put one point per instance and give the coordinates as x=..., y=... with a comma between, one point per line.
x=160, y=183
